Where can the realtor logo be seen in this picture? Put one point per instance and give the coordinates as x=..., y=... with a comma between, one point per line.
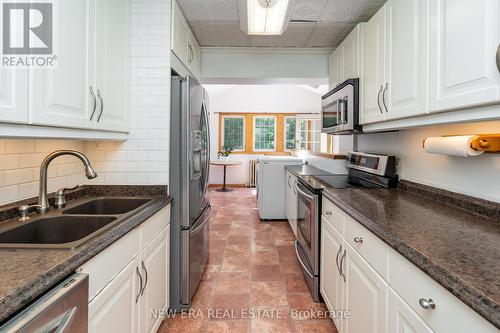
x=27, y=34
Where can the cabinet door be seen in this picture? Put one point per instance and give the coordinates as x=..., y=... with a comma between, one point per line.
x=60, y=96
x=463, y=69
x=331, y=282
x=335, y=67
x=373, y=68
x=407, y=58
x=194, y=55
x=402, y=319
x=350, y=55
x=179, y=33
x=114, y=309
x=112, y=45
x=13, y=95
x=366, y=295
x=153, y=266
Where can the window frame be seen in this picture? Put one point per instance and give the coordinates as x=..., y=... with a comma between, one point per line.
x=224, y=131
x=275, y=133
x=285, y=131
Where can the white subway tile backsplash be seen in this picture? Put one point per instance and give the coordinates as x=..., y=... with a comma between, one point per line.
x=8, y=162
x=19, y=146
x=19, y=176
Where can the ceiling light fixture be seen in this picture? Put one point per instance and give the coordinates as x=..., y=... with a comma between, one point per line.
x=265, y=17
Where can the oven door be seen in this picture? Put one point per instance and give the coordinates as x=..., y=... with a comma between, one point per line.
x=307, y=228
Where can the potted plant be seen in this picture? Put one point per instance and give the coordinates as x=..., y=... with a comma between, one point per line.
x=225, y=151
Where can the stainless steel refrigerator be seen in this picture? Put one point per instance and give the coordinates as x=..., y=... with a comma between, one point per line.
x=189, y=172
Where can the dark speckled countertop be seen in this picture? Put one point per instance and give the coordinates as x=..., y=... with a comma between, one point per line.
x=25, y=274
x=457, y=248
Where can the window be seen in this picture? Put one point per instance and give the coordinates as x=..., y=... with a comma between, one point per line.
x=264, y=133
x=233, y=129
x=310, y=134
x=290, y=133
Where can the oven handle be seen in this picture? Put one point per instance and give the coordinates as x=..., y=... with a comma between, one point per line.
x=310, y=197
x=300, y=260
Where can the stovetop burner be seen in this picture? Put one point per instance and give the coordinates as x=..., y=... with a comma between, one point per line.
x=317, y=183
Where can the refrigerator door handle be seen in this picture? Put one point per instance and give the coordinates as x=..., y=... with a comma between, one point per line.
x=207, y=157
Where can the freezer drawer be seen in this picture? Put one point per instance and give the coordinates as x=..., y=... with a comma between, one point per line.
x=194, y=255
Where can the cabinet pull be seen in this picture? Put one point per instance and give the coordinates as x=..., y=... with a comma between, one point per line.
x=383, y=97
x=140, y=279
x=498, y=57
x=427, y=304
x=378, y=99
x=358, y=240
x=146, y=277
x=289, y=186
x=341, y=265
x=294, y=187
x=102, y=105
x=95, y=103
x=328, y=212
x=337, y=259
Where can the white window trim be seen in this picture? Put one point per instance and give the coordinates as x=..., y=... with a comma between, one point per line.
x=275, y=134
x=284, y=132
x=244, y=134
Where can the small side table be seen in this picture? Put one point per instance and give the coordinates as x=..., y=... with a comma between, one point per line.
x=225, y=164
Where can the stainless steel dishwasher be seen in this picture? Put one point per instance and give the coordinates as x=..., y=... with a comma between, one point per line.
x=64, y=309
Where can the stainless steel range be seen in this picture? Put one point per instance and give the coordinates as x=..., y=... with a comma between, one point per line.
x=365, y=171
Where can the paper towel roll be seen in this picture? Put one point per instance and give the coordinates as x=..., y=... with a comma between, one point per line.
x=451, y=145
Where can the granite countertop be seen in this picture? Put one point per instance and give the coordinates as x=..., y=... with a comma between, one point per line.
x=306, y=170
x=457, y=248
x=25, y=274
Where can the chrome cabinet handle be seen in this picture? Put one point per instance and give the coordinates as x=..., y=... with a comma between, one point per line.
x=146, y=277
x=328, y=212
x=289, y=186
x=341, y=265
x=378, y=99
x=427, y=304
x=95, y=103
x=383, y=96
x=140, y=279
x=102, y=105
x=358, y=240
x=337, y=259
x=498, y=57
x=293, y=187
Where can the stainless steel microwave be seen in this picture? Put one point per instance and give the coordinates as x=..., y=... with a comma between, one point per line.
x=340, y=109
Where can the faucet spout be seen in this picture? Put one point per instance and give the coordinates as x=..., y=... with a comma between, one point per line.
x=43, y=200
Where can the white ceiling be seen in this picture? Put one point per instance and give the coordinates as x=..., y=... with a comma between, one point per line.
x=313, y=23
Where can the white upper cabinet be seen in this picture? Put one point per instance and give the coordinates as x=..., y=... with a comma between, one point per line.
x=464, y=42
x=112, y=45
x=373, y=78
x=350, y=54
x=183, y=42
x=60, y=96
x=335, y=67
x=407, y=58
x=13, y=95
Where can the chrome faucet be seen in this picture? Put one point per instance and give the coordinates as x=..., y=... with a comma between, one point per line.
x=43, y=200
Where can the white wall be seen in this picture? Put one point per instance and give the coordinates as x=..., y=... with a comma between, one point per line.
x=255, y=99
x=475, y=176
x=143, y=158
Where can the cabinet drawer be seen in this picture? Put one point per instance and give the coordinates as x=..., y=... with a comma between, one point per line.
x=369, y=246
x=154, y=225
x=449, y=315
x=107, y=264
x=333, y=215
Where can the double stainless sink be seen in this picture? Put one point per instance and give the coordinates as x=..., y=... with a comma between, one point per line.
x=71, y=227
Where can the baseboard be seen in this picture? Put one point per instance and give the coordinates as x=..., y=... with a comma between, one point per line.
x=228, y=185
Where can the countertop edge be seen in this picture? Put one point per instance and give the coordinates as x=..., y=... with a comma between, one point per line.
x=478, y=301
x=27, y=293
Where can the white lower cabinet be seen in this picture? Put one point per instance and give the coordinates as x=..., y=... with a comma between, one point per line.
x=291, y=201
x=366, y=295
x=132, y=300
x=353, y=280
x=331, y=281
x=114, y=309
x=402, y=319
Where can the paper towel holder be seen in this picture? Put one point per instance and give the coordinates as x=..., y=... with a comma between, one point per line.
x=488, y=143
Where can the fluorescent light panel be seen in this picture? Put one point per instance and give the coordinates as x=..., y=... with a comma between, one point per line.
x=267, y=20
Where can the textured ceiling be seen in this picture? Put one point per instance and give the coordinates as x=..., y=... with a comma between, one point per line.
x=313, y=23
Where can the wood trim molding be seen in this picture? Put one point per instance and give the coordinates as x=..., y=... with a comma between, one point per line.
x=330, y=156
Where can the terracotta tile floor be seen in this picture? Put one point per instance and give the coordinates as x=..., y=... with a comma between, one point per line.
x=253, y=282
